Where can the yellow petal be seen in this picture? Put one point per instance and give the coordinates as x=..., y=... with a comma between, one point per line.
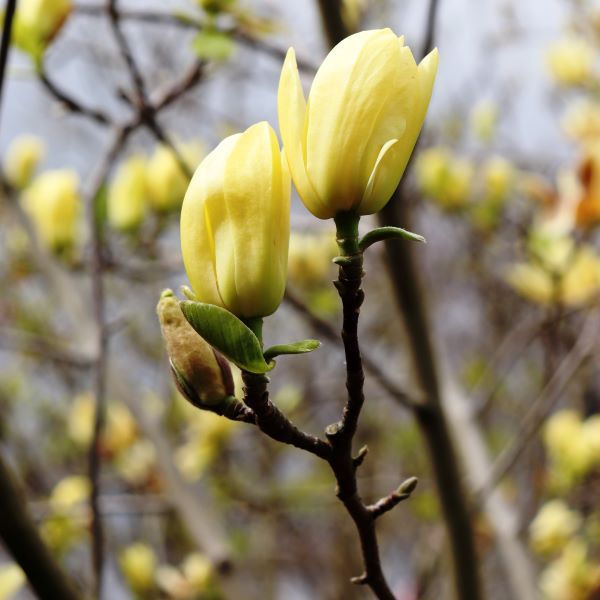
x=383, y=181
x=203, y=212
x=257, y=208
x=427, y=70
x=352, y=85
x=291, y=108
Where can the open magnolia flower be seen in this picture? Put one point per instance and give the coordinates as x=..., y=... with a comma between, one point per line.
x=348, y=146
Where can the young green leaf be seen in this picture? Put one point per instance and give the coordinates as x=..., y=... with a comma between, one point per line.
x=294, y=348
x=230, y=336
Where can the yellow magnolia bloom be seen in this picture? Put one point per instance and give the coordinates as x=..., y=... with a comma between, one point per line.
x=554, y=525
x=348, y=146
x=22, y=158
x=235, y=224
x=166, y=180
x=572, y=576
x=582, y=121
x=37, y=22
x=198, y=570
x=69, y=492
x=310, y=257
x=590, y=441
x=53, y=204
x=127, y=195
x=498, y=178
x=445, y=179
x=571, y=61
x=12, y=579
x=138, y=563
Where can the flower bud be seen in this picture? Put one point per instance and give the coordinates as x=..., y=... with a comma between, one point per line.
x=53, y=204
x=235, y=224
x=127, y=195
x=571, y=61
x=553, y=527
x=347, y=148
x=22, y=158
x=166, y=180
x=138, y=564
x=37, y=22
x=201, y=373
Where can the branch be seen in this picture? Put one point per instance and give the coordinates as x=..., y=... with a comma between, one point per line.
x=9, y=14
x=271, y=421
x=21, y=537
x=341, y=434
x=70, y=103
x=324, y=329
x=391, y=500
x=98, y=179
x=542, y=405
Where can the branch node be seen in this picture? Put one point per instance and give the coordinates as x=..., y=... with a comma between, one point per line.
x=360, y=457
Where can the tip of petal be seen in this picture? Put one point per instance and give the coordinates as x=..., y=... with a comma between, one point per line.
x=431, y=60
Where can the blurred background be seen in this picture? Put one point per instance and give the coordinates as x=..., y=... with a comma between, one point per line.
x=505, y=186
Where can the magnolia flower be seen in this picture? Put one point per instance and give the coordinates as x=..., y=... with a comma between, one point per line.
x=348, y=146
x=235, y=224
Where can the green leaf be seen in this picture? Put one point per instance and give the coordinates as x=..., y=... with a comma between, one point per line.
x=295, y=348
x=230, y=336
x=211, y=44
x=388, y=233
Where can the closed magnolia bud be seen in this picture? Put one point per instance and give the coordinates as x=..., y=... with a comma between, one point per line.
x=201, y=373
x=166, y=179
x=127, y=195
x=571, y=61
x=347, y=148
x=37, y=22
x=53, y=204
x=235, y=224
x=22, y=158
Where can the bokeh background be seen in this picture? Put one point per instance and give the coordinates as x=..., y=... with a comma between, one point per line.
x=505, y=186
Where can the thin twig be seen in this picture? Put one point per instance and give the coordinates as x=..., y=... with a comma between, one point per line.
x=70, y=103
x=98, y=297
x=53, y=350
x=271, y=421
x=9, y=13
x=542, y=405
x=325, y=329
x=22, y=539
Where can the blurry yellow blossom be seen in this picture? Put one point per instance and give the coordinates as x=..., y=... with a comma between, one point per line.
x=207, y=435
x=443, y=178
x=12, y=580
x=127, y=195
x=590, y=441
x=166, y=180
x=484, y=119
x=309, y=258
x=37, y=22
x=69, y=492
x=554, y=525
x=557, y=214
x=571, y=61
x=567, y=448
x=582, y=121
x=62, y=531
x=172, y=581
x=571, y=576
x=352, y=11
x=136, y=463
x=498, y=176
x=198, y=570
x=138, y=564
x=559, y=271
x=22, y=158
x=120, y=430
x=53, y=204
